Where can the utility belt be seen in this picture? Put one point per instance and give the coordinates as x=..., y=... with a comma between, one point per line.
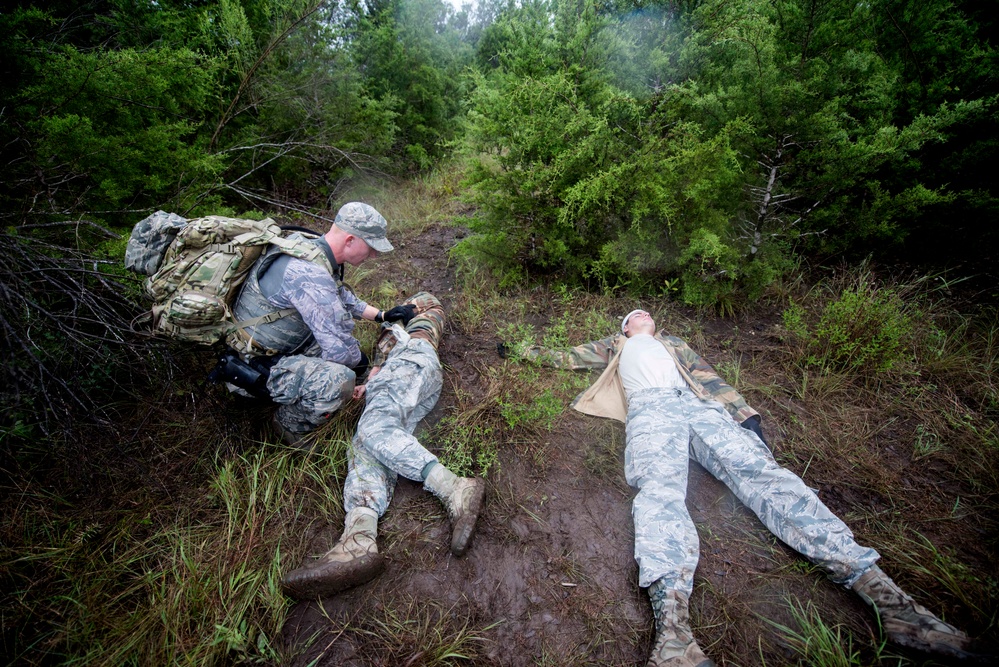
x=250, y=376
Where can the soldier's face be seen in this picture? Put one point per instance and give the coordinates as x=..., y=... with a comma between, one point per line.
x=640, y=322
x=355, y=251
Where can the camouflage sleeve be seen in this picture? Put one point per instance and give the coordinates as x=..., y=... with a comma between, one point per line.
x=720, y=390
x=350, y=301
x=316, y=296
x=428, y=324
x=588, y=355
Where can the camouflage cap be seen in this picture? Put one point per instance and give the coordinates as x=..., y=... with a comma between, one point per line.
x=364, y=222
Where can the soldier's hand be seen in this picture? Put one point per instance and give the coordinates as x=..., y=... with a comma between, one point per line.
x=404, y=313
x=753, y=424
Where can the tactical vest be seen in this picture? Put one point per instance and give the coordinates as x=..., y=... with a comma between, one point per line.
x=288, y=335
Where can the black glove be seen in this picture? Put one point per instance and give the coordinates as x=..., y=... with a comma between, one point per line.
x=753, y=424
x=403, y=313
x=502, y=350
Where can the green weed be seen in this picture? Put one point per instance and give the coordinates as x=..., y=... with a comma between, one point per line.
x=518, y=337
x=815, y=642
x=926, y=443
x=731, y=372
x=200, y=586
x=467, y=449
x=867, y=328
x=413, y=206
x=920, y=556
x=542, y=411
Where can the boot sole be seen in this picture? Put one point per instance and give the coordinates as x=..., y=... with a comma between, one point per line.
x=464, y=529
x=330, y=578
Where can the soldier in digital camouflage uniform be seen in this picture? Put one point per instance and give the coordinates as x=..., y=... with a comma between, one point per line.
x=675, y=406
x=403, y=387
x=317, y=357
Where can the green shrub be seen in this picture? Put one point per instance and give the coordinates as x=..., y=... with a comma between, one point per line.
x=542, y=411
x=867, y=327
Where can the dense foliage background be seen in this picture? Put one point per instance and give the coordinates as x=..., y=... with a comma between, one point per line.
x=698, y=149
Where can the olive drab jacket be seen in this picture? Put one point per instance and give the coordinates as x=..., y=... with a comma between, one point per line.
x=606, y=397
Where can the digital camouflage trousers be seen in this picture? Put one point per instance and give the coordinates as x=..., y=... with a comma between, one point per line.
x=402, y=393
x=308, y=390
x=666, y=427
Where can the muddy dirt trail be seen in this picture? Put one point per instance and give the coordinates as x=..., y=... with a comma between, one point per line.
x=550, y=578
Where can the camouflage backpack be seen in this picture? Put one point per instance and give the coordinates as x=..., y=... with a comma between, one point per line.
x=196, y=268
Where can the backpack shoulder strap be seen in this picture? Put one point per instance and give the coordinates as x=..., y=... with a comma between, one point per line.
x=304, y=249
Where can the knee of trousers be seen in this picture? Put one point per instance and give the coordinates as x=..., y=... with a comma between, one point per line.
x=310, y=379
x=368, y=483
x=661, y=500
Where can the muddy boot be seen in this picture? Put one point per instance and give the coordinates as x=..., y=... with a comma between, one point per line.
x=354, y=560
x=462, y=496
x=303, y=440
x=675, y=645
x=910, y=624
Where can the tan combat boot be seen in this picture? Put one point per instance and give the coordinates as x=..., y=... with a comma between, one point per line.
x=352, y=561
x=910, y=624
x=675, y=645
x=462, y=496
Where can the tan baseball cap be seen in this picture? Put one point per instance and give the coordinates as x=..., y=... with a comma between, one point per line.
x=364, y=222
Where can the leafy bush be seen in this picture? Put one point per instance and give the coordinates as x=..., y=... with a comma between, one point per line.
x=598, y=182
x=867, y=328
x=703, y=143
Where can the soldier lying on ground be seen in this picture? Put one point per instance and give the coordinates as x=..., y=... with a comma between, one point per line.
x=675, y=406
x=403, y=386
x=318, y=359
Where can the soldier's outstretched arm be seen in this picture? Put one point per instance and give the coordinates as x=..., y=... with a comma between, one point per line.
x=596, y=354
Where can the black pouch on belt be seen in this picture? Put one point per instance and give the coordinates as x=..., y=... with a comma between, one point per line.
x=250, y=376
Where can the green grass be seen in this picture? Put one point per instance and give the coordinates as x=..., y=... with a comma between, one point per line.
x=940, y=569
x=422, y=632
x=466, y=449
x=413, y=205
x=196, y=584
x=815, y=642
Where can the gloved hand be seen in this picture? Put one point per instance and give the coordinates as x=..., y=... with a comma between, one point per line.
x=401, y=313
x=753, y=424
x=502, y=350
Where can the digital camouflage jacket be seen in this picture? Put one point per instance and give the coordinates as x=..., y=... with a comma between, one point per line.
x=606, y=396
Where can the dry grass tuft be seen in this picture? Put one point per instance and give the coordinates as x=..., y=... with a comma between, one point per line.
x=415, y=204
x=418, y=633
